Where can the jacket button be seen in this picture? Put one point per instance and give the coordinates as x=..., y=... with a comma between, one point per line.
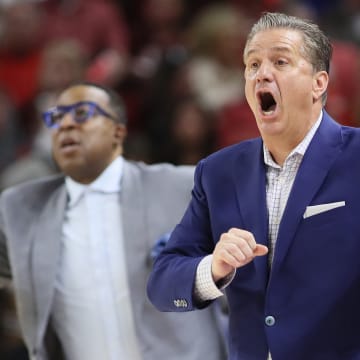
x=270, y=321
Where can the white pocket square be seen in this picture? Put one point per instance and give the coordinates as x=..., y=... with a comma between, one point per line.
x=318, y=209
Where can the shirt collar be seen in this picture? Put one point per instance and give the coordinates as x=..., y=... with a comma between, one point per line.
x=299, y=149
x=107, y=182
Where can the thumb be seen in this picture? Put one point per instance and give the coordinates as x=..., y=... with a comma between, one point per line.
x=260, y=250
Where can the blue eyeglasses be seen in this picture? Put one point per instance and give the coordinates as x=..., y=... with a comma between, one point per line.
x=80, y=111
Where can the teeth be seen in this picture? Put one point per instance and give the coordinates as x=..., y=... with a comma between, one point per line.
x=269, y=112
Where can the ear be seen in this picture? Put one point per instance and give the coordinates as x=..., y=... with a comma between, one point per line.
x=320, y=84
x=120, y=133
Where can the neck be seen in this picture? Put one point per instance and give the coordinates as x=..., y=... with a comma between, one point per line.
x=280, y=145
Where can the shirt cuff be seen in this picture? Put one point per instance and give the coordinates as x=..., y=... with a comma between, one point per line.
x=205, y=288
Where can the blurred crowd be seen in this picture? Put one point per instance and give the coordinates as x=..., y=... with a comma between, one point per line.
x=176, y=63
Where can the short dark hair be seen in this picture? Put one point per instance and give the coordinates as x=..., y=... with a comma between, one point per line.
x=115, y=101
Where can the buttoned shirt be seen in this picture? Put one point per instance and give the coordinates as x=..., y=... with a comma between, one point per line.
x=92, y=313
x=279, y=181
x=278, y=186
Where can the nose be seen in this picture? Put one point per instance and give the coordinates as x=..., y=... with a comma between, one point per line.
x=264, y=73
x=67, y=121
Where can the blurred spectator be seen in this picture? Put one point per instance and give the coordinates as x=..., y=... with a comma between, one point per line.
x=157, y=44
x=254, y=8
x=10, y=134
x=20, y=54
x=344, y=89
x=339, y=18
x=158, y=51
x=215, y=70
x=343, y=22
x=157, y=33
x=191, y=133
x=100, y=28
x=62, y=63
x=235, y=123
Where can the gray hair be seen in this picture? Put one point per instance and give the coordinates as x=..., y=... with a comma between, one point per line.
x=316, y=47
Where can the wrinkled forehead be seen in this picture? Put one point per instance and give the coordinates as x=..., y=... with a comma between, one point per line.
x=79, y=93
x=275, y=40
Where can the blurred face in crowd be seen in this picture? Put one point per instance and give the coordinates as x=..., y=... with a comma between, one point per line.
x=83, y=149
x=282, y=88
x=63, y=63
x=21, y=26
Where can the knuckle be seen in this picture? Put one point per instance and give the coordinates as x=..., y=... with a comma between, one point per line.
x=233, y=230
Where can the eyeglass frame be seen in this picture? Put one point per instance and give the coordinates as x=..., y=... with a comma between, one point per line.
x=65, y=109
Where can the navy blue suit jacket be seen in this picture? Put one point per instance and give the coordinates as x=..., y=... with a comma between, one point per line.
x=313, y=289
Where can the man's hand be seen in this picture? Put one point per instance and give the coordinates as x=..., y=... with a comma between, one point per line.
x=235, y=248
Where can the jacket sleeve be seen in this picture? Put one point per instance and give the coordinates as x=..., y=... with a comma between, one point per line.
x=171, y=282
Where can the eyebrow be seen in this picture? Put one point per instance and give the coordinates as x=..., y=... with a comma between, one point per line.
x=276, y=49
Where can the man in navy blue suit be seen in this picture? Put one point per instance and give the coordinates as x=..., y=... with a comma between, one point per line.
x=274, y=222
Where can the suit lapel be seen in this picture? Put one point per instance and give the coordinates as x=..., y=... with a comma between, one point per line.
x=250, y=183
x=318, y=159
x=46, y=252
x=134, y=230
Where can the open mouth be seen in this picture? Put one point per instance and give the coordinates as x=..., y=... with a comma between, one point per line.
x=267, y=103
x=66, y=143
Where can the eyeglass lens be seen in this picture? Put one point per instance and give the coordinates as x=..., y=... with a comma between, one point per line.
x=80, y=113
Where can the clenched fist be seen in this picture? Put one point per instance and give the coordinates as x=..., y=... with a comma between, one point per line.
x=235, y=248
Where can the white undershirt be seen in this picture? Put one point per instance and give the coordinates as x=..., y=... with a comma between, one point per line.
x=92, y=312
